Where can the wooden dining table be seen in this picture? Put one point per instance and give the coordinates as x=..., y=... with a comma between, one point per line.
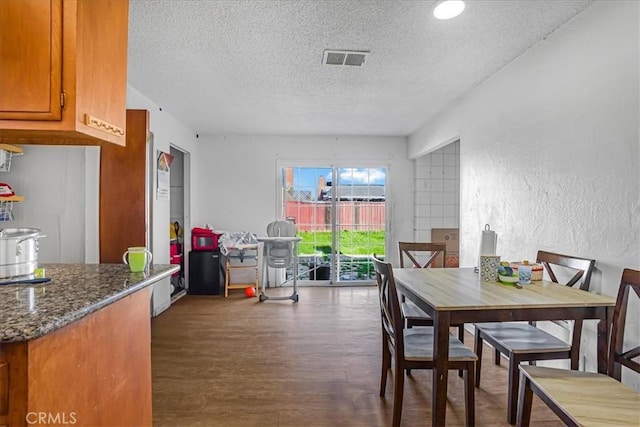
x=456, y=295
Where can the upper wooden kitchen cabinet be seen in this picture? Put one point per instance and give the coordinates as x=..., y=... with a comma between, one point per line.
x=63, y=71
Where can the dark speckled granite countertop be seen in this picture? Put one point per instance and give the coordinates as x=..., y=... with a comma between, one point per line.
x=75, y=290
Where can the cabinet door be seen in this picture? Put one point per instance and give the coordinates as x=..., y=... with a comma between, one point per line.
x=30, y=59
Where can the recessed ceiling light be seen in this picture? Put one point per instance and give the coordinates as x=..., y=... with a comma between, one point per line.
x=447, y=9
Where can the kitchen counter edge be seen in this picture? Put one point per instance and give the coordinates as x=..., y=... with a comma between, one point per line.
x=28, y=312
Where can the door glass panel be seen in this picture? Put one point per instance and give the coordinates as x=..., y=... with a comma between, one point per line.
x=360, y=221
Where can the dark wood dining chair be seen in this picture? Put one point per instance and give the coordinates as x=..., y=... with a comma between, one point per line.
x=582, y=398
x=413, y=348
x=522, y=342
x=422, y=255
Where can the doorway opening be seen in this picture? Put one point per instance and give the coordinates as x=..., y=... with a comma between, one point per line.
x=178, y=217
x=340, y=214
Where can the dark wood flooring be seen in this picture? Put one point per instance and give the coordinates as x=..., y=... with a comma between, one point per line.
x=238, y=362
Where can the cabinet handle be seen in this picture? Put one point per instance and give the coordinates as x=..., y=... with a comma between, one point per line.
x=99, y=124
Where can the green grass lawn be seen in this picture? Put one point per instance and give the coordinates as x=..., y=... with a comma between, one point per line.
x=351, y=242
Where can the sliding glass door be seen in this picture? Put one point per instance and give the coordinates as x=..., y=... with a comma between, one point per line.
x=340, y=213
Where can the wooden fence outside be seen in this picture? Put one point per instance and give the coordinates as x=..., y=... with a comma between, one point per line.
x=354, y=216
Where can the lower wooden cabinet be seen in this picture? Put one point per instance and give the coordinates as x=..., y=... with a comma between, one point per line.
x=95, y=371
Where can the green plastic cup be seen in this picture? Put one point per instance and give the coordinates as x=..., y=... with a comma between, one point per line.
x=138, y=257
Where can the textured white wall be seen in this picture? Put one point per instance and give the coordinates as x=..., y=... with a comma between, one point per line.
x=238, y=179
x=550, y=150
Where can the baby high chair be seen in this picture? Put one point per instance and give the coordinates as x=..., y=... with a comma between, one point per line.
x=279, y=252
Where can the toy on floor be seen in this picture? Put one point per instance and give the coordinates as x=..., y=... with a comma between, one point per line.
x=250, y=291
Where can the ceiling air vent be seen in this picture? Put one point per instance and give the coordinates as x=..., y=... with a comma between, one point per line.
x=344, y=57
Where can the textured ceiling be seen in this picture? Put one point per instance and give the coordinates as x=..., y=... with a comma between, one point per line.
x=255, y=67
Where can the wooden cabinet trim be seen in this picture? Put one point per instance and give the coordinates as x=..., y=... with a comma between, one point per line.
x=99, y=124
